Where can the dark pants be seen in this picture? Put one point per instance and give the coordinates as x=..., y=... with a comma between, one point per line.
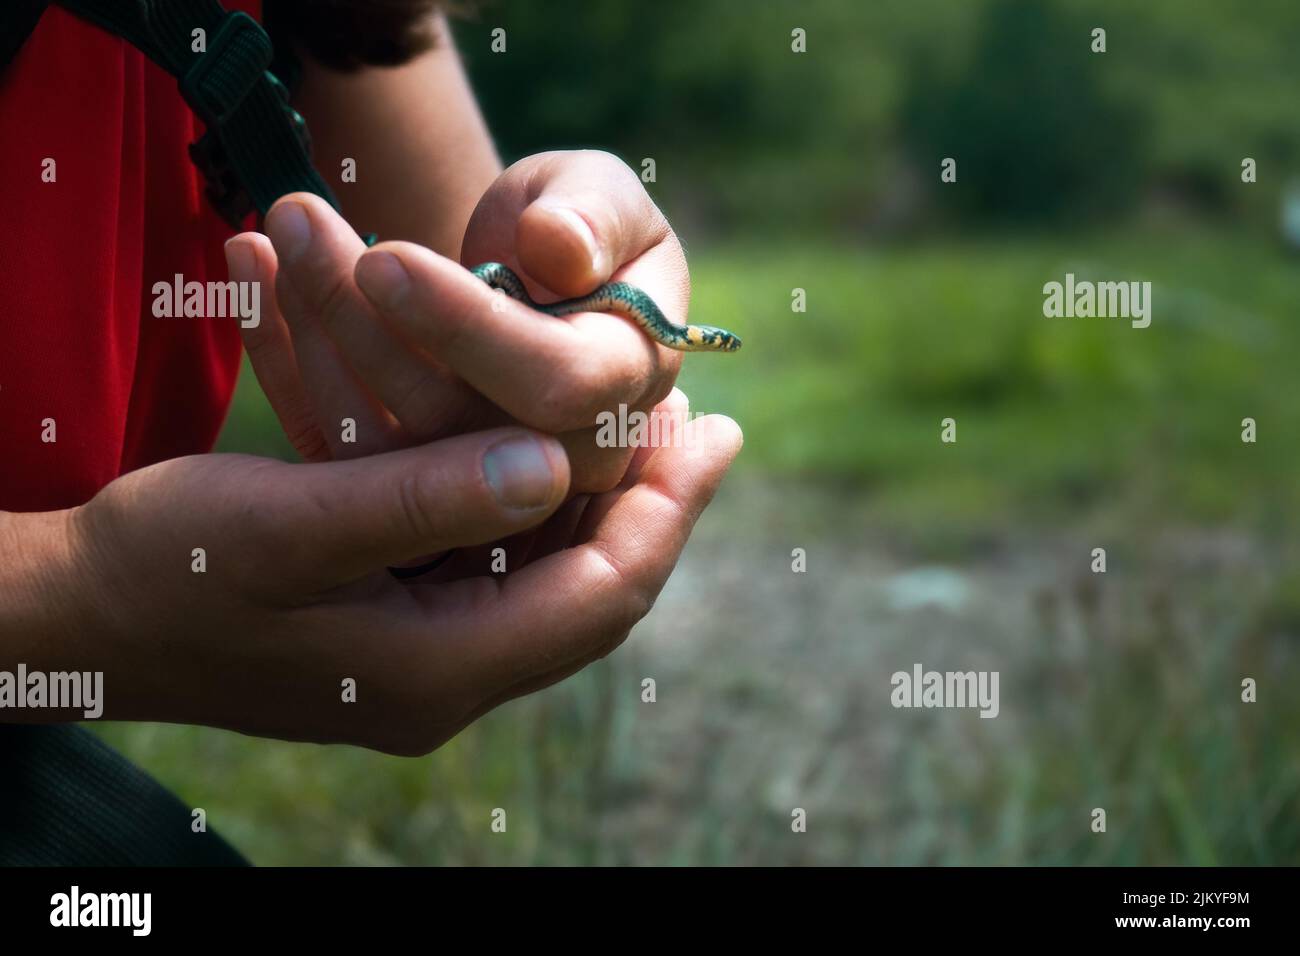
x=67, y=799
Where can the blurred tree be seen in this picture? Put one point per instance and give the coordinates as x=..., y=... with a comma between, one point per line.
x=750, y=137
x=743, y=129
x=1035, y=133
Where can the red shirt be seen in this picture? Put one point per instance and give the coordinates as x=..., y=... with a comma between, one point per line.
x=79, y=257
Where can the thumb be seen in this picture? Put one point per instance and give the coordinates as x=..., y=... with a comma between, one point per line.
x=569, y=243
x=347, y=519
x=571, y=219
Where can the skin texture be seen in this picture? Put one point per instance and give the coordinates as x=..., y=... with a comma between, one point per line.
x=443, y=163
x=296, y=597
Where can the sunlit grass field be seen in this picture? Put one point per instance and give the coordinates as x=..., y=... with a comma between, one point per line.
x=1071, y=433
x=1056, y=418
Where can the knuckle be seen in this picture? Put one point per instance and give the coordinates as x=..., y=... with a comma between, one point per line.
x=450, y=334
x=271, y=556
x=417, y=506
x=586, y=381
x=634, y=598
x=416, y=407
x=333, y=297
x=570, y=401
x=308, y=441
x=554, y=400
x=605, y=158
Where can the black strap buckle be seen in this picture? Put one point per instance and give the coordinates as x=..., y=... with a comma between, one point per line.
x=236, y=58
x=215, y=86
x=227, y=194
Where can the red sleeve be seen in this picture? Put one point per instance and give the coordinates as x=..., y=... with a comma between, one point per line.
x=79, y=255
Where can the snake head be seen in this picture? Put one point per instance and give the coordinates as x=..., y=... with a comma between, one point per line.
x=710, y=338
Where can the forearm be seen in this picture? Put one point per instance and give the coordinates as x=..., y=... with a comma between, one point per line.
x=423, y=154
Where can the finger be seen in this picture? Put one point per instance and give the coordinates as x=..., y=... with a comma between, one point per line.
x=597, y=467
x=576, y=602
x=567, y=219
x=667, y=423
x=498, y=557
x=576, y=521
x=593, y=466
x=336, y=392
x=570, y=221
x=251, y=258
x=339, y=521
x=635, y=241
x=535, y=683
x=510, y=554
x=557, y=532
x=670, y=418
x=553, y=374
x=592, y=469
x=318, y=252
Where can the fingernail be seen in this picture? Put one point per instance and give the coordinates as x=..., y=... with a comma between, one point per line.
x=582, y=229
x=383, y=279
x=241, y=259
x=289, y=227
x=519, y=473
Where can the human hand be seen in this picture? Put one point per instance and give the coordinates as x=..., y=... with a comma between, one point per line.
x=294, y=600
x=412, y=347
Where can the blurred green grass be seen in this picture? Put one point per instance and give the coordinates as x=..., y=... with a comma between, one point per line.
x=1056, y=418
x=1073, y=426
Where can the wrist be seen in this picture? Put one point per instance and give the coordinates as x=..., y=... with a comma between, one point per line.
x=44, y=604
x=36, y=559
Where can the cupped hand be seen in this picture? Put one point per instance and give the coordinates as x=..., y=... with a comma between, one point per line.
x=287, y=601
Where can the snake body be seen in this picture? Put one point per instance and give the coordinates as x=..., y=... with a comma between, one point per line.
x=621, y=298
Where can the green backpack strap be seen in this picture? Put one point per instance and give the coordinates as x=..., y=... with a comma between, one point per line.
x=256, y=147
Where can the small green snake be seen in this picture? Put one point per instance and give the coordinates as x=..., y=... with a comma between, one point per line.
x=624, y=299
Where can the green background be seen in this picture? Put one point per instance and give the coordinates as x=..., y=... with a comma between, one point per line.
x=820, y=171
